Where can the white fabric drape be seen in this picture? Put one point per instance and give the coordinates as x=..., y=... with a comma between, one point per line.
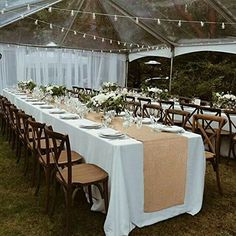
x=60, y=66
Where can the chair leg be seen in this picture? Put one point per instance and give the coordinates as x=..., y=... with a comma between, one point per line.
x=90, y=195
x=47, y=177
x=218, y=181
x=57, y=187
x=216, y=169
x=38, y=180
x=35, y=163
x=68, y=196
x=105, y=194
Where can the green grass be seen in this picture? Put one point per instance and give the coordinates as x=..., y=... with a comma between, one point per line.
x=22, y=213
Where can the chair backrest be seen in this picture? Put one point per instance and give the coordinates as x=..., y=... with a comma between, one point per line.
x=37, y=134
x=185, y=100
x=132, y=106
x=142, y=101
x=60, y=142
x=193, y=109
x=129, y=98
x=13, y=116
x=167, y=104
x=231, y=116
x=21, y=124
x=176, y=117
x=152, y=110
x=211, y=139
x=209, y=111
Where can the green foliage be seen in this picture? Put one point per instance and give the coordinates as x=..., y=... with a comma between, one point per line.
x=194, y=75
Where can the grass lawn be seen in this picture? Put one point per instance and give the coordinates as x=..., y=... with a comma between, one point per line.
x=22, y=213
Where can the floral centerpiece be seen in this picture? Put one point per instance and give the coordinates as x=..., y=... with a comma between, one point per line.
x=54, y=90
x=26, y=85
x=157, y=93
x=227, y=101
x=107, y=102
x=109, y=86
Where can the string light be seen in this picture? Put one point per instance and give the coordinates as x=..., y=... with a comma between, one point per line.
x=28, y=7
x=94, y=16
x=62, y=29
x=202, y=23
x=50, y=9
x=72, y=13
x=179, y=23
x=223, y=25
x=137, y=20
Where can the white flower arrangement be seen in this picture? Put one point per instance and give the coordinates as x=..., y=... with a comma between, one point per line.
x=224, y=100
x=155, y=90
x=26, y=85
x=107, y=101
x=109, y=86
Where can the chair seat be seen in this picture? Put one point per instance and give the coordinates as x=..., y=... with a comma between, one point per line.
x=84, y=174
x=75, y=157
x=209, y=155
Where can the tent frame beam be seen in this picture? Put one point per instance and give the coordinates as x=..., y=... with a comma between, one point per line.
x=141, y=24
x=72, y=22
x=30, y=13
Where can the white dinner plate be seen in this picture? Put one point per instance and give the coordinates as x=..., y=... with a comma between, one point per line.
x=57, y=111
x=172, y=129
x=111, y=134
x=31, y=99
x=91, y=126
x=69, y=117
x=38, y=103
x=46, y=107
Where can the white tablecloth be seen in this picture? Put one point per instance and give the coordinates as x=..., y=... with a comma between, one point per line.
x=123, y=160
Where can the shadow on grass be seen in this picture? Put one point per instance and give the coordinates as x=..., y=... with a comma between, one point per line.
x=21, y=213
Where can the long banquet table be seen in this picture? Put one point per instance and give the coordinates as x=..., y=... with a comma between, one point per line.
x=123, y=160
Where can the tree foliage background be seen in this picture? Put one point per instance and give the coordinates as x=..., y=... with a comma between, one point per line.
x=194, y=75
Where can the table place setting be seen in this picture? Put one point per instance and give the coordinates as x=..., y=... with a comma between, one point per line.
x=38, y=103
x=46, y=106
x=69, y=117
x=57, y=111
x=111, y=134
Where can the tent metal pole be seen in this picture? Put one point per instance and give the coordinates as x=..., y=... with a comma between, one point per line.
x=126, y=70
x=171, y=68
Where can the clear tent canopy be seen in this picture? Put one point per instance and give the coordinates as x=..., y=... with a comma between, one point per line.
x=117, y=25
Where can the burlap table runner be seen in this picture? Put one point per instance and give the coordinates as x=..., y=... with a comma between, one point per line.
x=164, y=165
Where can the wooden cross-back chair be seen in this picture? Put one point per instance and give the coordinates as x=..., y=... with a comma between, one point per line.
x=154, y=110
x=176, y=117
x=211, y=140
x=142, y=101
x=71, y=177
x=165, y=104
x=43, y=160
x=24, y=137
x=231, y=115
x=193, y=109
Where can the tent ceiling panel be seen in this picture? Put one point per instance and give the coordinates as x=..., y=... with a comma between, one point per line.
x=13, y=10
x=118, y=25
